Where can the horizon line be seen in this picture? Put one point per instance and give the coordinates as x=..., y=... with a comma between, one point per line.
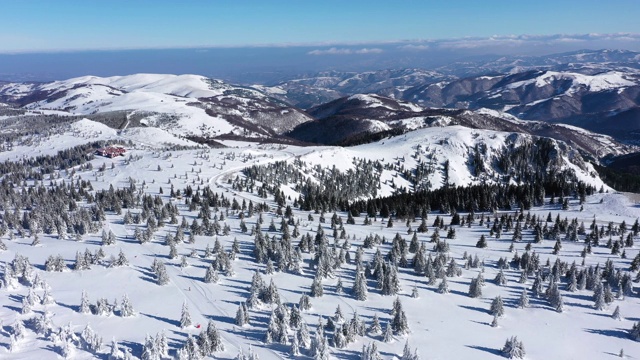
x=622, y=36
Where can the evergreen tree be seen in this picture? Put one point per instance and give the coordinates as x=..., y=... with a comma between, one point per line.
x=616, y=314
x=185, y=317
x=482, y=243
x=126, y=309
x=214, y=337
x=211, y=275
x=634, y=332
x=497, y=307
x=443, y=288
x=85, y=307
x=399, y=323
x=375, y=327
x=316, y=287
x=513, y=349
x=388, y=334
x=523, y=301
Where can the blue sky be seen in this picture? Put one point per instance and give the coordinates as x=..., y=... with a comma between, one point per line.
x=39, y=25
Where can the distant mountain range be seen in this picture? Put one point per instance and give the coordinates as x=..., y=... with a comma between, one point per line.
x=596, y=90
x=588, y=99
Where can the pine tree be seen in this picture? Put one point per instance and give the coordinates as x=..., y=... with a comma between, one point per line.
x=241, y=318
x=407, y=354
x=185, y=317
x=388, y=334
x=126, y=309
x=162, y=344
x=295, y=347
x=482, y=243
x=360, y=291
x=513, y=349
x=497, y=307
x=634, y=332
x=47, y=298
x=375, y=327
x=115, y=353
x=162, y=278
x=85, y=307
x=443, y=288
x=304, y=338
x=494, y=322
x=523, y=301
x=215, y=340
x=316, y=287
x=598, y=298
x=399, y=323
x=211, y=276
x=616, y=314
x=304, y=303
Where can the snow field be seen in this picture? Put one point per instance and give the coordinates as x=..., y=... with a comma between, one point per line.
x=443, y=326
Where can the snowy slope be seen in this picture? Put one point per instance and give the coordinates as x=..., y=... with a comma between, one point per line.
x=186, y=104
x=443, y=326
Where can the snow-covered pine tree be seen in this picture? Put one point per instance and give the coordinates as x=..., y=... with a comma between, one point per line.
x=500, y=279
x=443, y=287
x=214, y=337
x=295, y=347
x=407, y=354
x=497, y=307
x=598, y=297
x=523, y=301
x=47, y=298
x=634, y=332
x=121, y=260
x=85, y=307
x=304, y=303
x=375, y=327
x=316, y=287
x=616, y=313
x=303, y=335
x=185, y=317
x=162, y=277
x=162, y=344
x=126, y=308
x=513, y=349
x=494, y=322
x=211, y=276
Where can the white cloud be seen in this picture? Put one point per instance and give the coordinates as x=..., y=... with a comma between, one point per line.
x=345, y=51
x=414, y=47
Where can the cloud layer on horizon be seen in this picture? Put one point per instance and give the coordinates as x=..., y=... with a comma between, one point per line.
x=624, y=40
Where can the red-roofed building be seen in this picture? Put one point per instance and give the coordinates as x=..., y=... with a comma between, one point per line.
x=111, y=151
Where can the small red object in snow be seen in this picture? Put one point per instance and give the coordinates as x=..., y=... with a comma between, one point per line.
x=198, y=326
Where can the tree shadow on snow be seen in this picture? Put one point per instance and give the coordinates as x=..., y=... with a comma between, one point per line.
x=495, y=352
x=73, y=308
x=194, y=278
x=163, y=319
x=348, y=355
x=618, y=333
x=16, y=309
x=257, y=335
x=136, y=349
x=220, y=318
x=474, y=308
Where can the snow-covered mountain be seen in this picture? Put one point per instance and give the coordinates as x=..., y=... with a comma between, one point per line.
x=362, y=118
x=186, y=105
x=312, y=90
x=605, y=102
x=272, y=251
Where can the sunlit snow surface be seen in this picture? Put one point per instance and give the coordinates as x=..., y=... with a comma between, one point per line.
x=451, y=326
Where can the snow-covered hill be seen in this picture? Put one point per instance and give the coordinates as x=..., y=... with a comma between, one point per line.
x=184, y=105
x=441, y=325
